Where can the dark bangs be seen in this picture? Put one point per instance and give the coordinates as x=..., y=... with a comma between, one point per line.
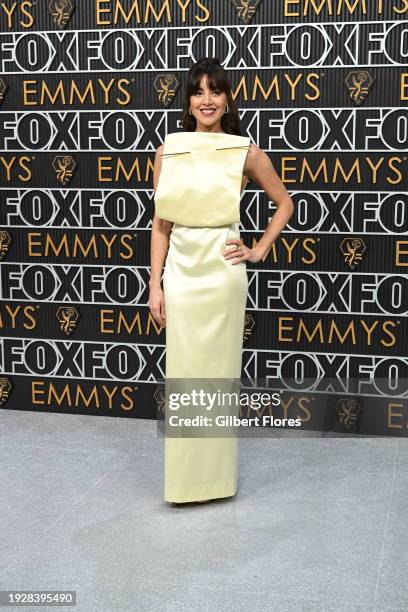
x=217, y=79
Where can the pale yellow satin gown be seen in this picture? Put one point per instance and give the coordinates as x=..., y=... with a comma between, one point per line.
x=205, y=295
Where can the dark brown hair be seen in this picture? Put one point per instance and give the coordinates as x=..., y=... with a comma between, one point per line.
x=217, y=79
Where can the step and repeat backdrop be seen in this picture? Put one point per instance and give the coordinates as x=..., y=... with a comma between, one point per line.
x=88, y=90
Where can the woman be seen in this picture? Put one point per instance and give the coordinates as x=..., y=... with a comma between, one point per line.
x=195, y=233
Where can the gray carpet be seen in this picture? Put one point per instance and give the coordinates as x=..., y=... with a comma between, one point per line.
x=318, y=524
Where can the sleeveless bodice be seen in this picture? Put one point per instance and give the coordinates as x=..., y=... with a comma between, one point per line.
x=200, y=178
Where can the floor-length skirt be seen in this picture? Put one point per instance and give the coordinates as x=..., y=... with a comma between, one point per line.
x=205, y=298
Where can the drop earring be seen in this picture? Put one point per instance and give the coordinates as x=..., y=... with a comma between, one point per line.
x=226, y=110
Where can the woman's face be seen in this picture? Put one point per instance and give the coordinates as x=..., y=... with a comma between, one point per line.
x=208, y=106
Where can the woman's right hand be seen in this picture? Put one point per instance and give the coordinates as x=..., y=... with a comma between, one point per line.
x=156, y=305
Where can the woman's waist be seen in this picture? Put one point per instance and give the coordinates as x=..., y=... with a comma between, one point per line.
x=185, y=226
x=204, y=243
x=194, y=233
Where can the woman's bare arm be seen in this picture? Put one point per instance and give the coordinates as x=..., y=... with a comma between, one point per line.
x=258, y=167
x=161, y=230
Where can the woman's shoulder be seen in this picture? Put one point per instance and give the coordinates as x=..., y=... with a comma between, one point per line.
x=254, y=149
x=255, y=153
x=256, y=162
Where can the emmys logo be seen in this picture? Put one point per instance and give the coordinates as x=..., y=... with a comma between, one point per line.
x=5, y=388
x=348, y=411
x=352, y=249
x=358, y=83
x=67, y=317
x=64, y=166
x=249, y=325
x=166, y=86
x=61, y=11
x=3, y=89
x=5, y=242
x=246, y=9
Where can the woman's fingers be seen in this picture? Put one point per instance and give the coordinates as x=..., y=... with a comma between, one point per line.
x=157, y=306
x=238, y=252
x=158, y=313
x=234, y=241
x=157, y=316
x=163, y=311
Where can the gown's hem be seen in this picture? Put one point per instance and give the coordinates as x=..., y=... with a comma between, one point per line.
x=206, y=494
